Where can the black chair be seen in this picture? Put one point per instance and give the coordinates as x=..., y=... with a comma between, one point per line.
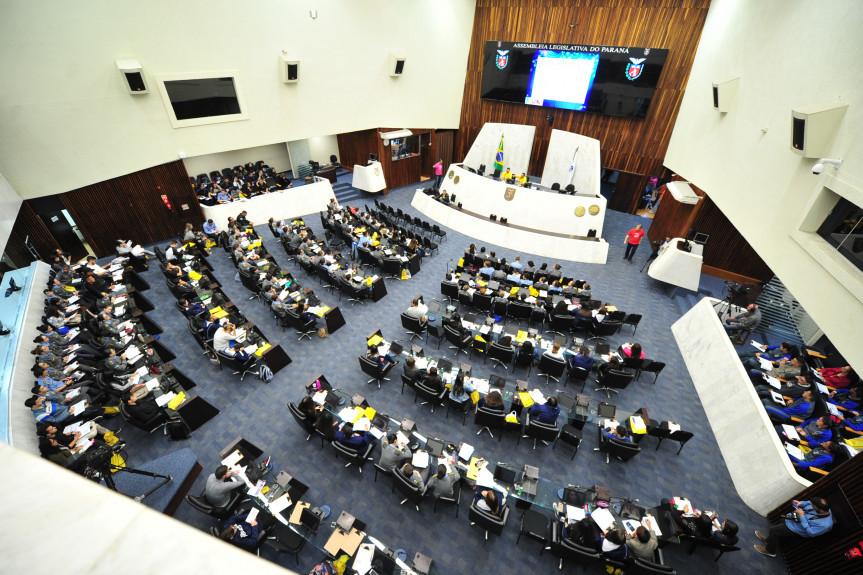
x=450, y=291
x=537, y=316
x=489, y=419
x=614, y=380
x=464, y=299
x=239, y=367
x=623, y=450
x=412, y=492
x=159, y=421
x=438, y=232
x=414, y=327
x=377, y=374
x=560, y=324
x=201, y=504
x=578, y=374
x=454, y=499
x=570, y=188
x=524, y=358
x=569, y=550
x=519, y=311
x=545, y=432
x=385, y=471
x=301, y=328
x=430, y=395
x=356, y=293
x=535, y=525
x=482, y=302
x=570, y=435
x=555, y=186
x=479, y=346
x=431, y=246
x=487, y=521
x=640, y=566
x=604, y=329
x=499, y=308
x=287, y=541
x=551, y=367
x=437, y=331
x=696, y=542
x=392, y=269
x=632, y=319
x=407, y=381
x=654, y=367
x=307, y=424
x=460, y=341
x=460, y=406
x=353, y=455
x=501, y=354
x=678, y=435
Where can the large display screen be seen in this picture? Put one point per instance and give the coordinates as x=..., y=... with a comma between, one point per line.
x=613, y=80
x=203, y=97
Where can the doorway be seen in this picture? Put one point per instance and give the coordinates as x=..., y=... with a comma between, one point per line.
x=61, y=226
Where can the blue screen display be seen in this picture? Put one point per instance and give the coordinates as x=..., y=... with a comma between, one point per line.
x=561, y=79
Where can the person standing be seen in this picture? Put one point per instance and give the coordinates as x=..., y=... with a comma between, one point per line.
x=438, y=174
x=633, y=238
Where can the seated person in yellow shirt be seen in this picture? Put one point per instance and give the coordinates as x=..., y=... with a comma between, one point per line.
x=522, y=179
x=507, y=174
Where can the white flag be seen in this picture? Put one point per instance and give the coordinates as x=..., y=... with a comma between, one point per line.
x=571, y=168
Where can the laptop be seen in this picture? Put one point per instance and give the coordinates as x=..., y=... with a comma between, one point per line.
x=531, y=480
x=496, y=381
x=606, y=411
x=417, y=350
x=507, y=474
x=573, y=497
x=309, y=520
x=434, y=447
x=380, y=421
x=602, y=348
x=396, y=348
x=283, y=479
x=494, y=285
x=331, y=401
x=631, y=511
x=531, y=472
x=566, y=402
x=444, y=364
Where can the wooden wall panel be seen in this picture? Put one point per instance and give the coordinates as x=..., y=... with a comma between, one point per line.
x=826, y=554
x=629, y=145
x=444, y=140
x=28, y=224
x=131, y=207
x=355, y=147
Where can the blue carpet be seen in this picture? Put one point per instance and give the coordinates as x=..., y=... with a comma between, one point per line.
x=257, y=411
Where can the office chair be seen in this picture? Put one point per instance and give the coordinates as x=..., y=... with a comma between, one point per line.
x=436, y=331
x=566, y=549
x=201, y=504
x=414, y=327
x=407, y=381
x=413, y=493
x=654, y=367
x=240, y=367
x=555, y=186
x=500, y=354
x=551, y=367
x=578, y=374
x=570, y=435
x=623, y=450
x=353, y=455
x=560, y=324
x=680, y=436
x=159, y=421
x=613, y=381
x=486, y=520
x=370, y=368
x=307, y=424
x=287, y=541
x=603, y=329
x=535, y=525
x=302, y=328
x=460, y=341
x=489, y=419
x=392, y=269
x=430, y=395
x=454, y=499
x=545, y=432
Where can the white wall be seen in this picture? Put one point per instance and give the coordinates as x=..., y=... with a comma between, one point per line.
x=274, y=155
x=322, y=147
x=10, y=203
x=787, y=53
x=66, y=119
x=517, y=145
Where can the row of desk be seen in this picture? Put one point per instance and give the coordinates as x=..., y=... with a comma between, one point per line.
x=280, y=204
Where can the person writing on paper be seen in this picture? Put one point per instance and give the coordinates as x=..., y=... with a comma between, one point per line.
x=819, y=456
x=619, y=433
x=810, y=519
x=555, y=352
x=411, y=474
x=220, y=485
x=347, y=436
x=773, y=353
x=849, y=399
x=442, y=483
x=815, y=431
x=582, y=359
x=787, y=369
x=643, y=543
x=545, y=413
x=393, y=453
x=381, y=360
x=224, y=341
x=793, y=408
x=612, y=545
x=492, y=401
x=792, y=388
x=461, y=390
x=238, y=531
x=433, y=380
x=490, y=500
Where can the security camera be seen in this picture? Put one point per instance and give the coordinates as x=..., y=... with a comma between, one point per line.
x=819, y=167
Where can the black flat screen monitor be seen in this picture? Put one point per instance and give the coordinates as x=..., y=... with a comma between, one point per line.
x=203, y=97
x=309, y=520
x=606, y=410
x=382, y=563
x=612, y=80
x=507, y=475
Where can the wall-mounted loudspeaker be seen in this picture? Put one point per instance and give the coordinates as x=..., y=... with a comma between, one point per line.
x=133, y=76
x=813, y=128
x=724, y=94
x=290, y=69
x=397, y=65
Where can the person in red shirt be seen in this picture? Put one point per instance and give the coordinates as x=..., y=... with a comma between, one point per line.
x=837, y=376
x=633, y=238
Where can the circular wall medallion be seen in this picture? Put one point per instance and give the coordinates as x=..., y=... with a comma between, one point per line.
x=455, y=180
x=451, y=174
x=579, y=211
x=593, y=210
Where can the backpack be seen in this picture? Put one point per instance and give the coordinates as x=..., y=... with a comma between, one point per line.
x=325, y=568
x=265, y=374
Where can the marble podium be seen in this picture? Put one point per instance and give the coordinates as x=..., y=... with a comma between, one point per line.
x=678, y=267
x=758, y=464
x=369, y=178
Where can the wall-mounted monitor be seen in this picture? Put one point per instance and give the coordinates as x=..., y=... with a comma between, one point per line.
x=613, y=80
x=202, y=98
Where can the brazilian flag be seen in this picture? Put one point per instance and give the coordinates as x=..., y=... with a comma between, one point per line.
x=498, y=158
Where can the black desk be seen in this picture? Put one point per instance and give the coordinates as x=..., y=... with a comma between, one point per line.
x=379, y=289
x=196, y=412
x=334, y=319
x=276, y=358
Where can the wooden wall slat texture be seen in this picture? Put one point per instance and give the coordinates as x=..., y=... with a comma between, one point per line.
x=28, y=224
x=826, y=554
x=629, y=145
x=355, y=147
x=131, y=207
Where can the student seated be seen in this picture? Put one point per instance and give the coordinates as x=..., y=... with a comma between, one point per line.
x=619, y=433
x=490, y=500
x=412, y=474
x=493, y=401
